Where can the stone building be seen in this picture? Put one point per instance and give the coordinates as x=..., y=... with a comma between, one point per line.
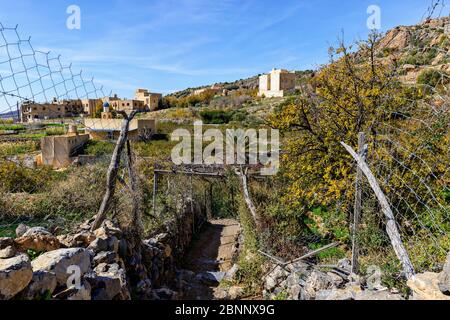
x=108, y=128
x=32, y=112
x=276, y=83
x=60, y=151
x=128, y=105
x=151, y=100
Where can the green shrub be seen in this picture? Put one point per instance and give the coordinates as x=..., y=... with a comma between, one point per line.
x=216, y=116
x=16, y=148
x=431, y=78
x=55, y=131
x=16, y=178
x=421, y=58
x=12, y=126
x=98, y=148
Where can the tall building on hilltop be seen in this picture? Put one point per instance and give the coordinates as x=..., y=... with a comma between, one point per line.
x=276, y=83
x=150, y=100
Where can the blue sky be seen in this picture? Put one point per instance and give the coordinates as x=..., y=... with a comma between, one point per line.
x=171, y=45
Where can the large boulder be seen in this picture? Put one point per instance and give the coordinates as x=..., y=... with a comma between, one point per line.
x=15, y=274
x=42, y=284
x=80, y=239
x=38, y=242
x=108, y=282
x=36, y=231
x=444, y=277
x=58, y=261
x=425, y=286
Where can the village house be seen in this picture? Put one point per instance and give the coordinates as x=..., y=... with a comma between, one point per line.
x=32, y=112
x=60, y=151
x=107, y=128
x=128, y=105
x=151, y=100
x=276, y=83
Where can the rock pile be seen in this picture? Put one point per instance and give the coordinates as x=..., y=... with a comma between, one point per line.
x=431, y=286
x=81, y=266
x=303, y=281
x=100, y=265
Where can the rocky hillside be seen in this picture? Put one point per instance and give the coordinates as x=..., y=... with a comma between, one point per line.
x=416, y=48
x=419, y=47
x=248, y=83
x=251, y=83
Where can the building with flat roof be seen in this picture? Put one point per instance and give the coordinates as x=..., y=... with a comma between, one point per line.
x=34, y=112
x=60, y=151
x=108, y=128
x=151, y=100
x=128, y=105
x=276, y=83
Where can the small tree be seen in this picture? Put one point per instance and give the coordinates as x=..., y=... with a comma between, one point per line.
x=350, y=95
x=98, y=109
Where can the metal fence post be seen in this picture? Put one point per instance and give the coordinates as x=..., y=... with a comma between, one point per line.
x=357, y=207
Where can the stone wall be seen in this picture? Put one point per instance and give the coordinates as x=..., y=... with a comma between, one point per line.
x=107, y=264
x=305, y=281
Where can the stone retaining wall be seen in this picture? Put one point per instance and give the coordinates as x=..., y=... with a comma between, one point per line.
x=106, y=264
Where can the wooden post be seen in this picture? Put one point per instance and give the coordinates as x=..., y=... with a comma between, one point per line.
x=191, y=190
x=391, y=226
x=251, y=207
x=357, y=208
x=113, y=170
x=211, y=201
x=155, y=189
x=136, y=213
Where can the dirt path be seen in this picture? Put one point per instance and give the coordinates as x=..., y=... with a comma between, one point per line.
x=210, y=255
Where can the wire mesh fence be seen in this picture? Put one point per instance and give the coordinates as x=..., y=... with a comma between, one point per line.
x=407, y=152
